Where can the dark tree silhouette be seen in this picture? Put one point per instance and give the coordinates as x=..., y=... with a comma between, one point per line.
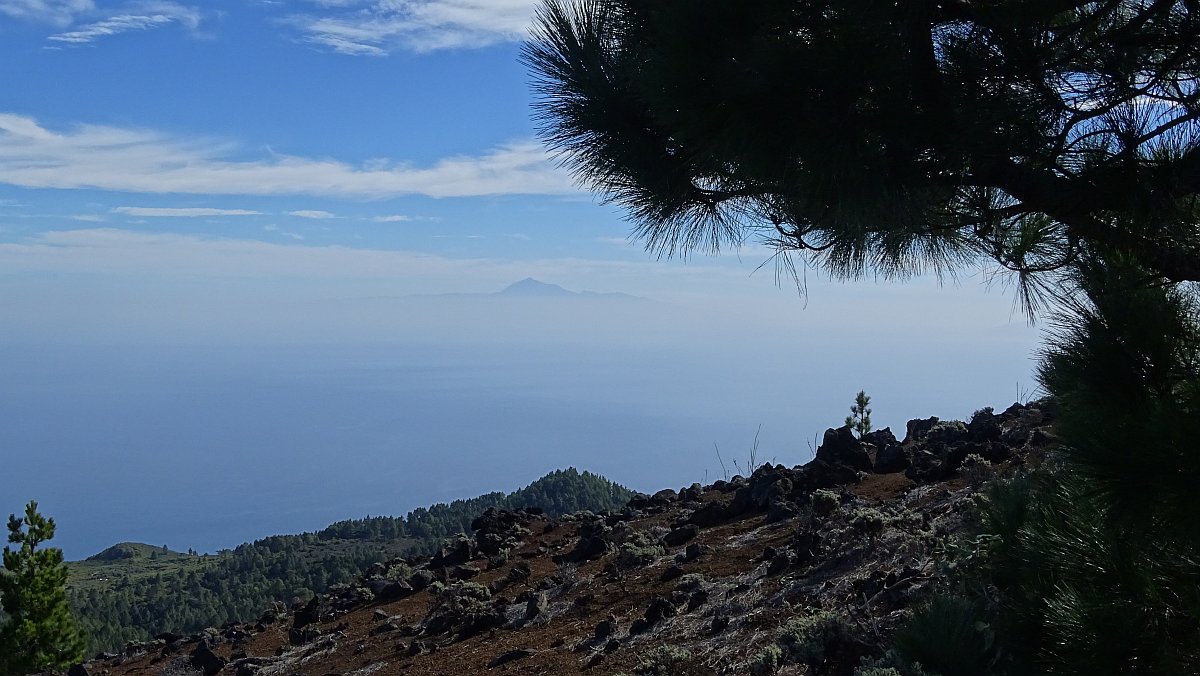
x=892, y=138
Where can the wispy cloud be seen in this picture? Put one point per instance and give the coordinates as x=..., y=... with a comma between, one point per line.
x=139, y=161
x=55, y=12
x=377, y=27
x=312, y=213
x=85, y=22
x=181, y=212
x=114, y=250
x=154, y=15
x=394, y=218
x=88, y=218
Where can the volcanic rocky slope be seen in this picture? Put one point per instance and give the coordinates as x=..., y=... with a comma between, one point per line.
x=705, y=577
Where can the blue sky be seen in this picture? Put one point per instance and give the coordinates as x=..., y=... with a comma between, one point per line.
x=201, y=203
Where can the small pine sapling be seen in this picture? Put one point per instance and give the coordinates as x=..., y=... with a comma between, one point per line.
x=859, y=419
x=40, y=632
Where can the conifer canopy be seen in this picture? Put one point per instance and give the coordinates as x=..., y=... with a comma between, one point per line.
x=886, y=137
x=40, y=631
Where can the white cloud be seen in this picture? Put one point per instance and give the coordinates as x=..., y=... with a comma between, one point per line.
x=139, y=161
x=311, y=213
x=119, y=251
x=181, y=212
x=380, y=26
x=111, y=26
x=88, y=218
x=139, y=15
x=395, y=218
x=56, y=12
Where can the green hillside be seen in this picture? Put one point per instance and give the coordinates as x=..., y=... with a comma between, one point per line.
x=132, y=591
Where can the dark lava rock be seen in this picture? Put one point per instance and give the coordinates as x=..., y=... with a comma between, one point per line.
x=821, y=474
x=671, y=573
x=781, y=510
x=606, y=628
x=709, y=515
x=697, y=599
x=309, y=614
x=664, y=497
x=78, y=670
x=840, y=447
x=927, y=467
x=417, y=648
x=303, y=635
x=511, y=656
x=204, y=659
x=879, y=438
x=464, y=572
x=453, y=552
x=385, y=628
x=681, y=535
x=891, y=459
x=984, y=426
x=780, y=563
x=694, y=551
x=692, y=493
x=807, y=544
x=388, y=590
x=420, y=579
x=658, y=609
x=916, y=430
x=537, y=605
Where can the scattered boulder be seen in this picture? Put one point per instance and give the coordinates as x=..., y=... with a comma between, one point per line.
x=709, y=515
x=453, y=552
x=681, y=535
x=511, y=656
x=537, y=605
x=420, y=579
x=205, y=660
x=606, y=628
x=658, y=609
x=840, y=447
x=892, y=459
x=917, y=429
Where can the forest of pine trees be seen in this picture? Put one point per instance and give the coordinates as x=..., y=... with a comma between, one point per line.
x=238, y=584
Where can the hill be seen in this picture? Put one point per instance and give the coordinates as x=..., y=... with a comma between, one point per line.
x=803, y=570
x=130, y=592
x=126, y=551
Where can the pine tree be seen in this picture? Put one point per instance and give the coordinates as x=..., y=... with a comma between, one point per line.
x=40, y=632
x=859, y=419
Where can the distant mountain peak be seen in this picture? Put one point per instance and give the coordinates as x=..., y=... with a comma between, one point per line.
x=532, y=287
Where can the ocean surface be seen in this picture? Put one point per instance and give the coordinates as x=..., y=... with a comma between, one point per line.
x=207, y=446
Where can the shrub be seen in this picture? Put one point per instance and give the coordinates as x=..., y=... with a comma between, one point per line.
x=946, y=636
x=664, y=661
x=824, y=502
x=767, y=662
x=806, y=639
x=639, y=549
x=977, y=470
x=868, y=521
